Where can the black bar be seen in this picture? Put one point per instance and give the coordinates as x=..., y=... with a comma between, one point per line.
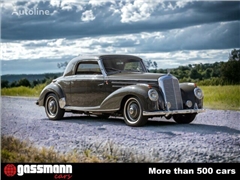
x=114, y=170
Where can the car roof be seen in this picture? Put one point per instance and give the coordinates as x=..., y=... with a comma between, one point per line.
x=96, y=57
x=103, y=56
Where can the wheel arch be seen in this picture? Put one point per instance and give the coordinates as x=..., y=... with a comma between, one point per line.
x=52, y=88
x=125, y=99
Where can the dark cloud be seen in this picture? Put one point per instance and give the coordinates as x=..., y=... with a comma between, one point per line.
x=211, y=36
x=68, y=23
x=35, y=45
x=21, y=3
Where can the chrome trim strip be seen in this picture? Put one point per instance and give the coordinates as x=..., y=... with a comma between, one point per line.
x=166, y=113
x=92, y=109
x=124, y=82
x=134, y=80
x=119, y=86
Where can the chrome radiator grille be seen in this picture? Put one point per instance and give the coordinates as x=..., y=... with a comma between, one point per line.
x=171, y=91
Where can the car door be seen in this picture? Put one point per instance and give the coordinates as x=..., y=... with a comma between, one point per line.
x=87, y=87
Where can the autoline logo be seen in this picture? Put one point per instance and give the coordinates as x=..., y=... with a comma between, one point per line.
x=30, y=12
x=43, y=169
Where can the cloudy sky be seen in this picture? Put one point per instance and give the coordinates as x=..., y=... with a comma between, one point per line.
x=37, y=35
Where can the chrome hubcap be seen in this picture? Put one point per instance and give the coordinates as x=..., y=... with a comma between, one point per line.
x=52, y=107
x=133, y=111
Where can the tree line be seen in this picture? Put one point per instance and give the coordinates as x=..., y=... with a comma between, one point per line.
x=27, y=83
x=218, y=73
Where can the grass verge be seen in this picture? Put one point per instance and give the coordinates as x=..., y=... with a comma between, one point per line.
x=15, y=151
x=222, y=97
x=23, y=91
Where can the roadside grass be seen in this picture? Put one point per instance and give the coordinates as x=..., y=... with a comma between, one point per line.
x=215, y=97
x=14, y=151
x=222, y=97
x=23, y=91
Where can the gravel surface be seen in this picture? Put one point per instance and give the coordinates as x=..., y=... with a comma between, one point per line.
x=213, y=137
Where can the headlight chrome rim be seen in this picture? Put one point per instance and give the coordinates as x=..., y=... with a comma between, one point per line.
x=153, y=95
x=198, y=93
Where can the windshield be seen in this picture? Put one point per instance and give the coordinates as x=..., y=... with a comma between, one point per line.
x=123, y=65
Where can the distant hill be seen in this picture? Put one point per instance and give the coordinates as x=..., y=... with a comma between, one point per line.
x=30, y=77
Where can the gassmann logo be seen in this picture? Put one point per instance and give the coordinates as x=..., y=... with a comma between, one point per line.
x=30, y=12
x=10, y=170
x=60, y=170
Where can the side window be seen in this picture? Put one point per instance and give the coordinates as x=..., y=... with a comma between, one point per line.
x=88, y=68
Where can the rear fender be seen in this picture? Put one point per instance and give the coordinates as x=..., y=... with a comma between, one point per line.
x=50, y=88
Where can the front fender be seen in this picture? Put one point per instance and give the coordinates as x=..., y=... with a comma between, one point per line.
x=50, y=88
x=114, y=100
x=187, y=90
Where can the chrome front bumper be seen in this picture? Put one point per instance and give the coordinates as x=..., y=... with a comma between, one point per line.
x=167, y=113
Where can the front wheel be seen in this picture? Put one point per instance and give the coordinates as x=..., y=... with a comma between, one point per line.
x=52, y=109
x=132, y=112
x=184, y=118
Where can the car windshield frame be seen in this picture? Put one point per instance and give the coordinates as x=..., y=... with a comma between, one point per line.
x=123, y=65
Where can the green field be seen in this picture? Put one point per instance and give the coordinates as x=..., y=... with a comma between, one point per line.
x=215, y=97
x=222, y=97
x=23, y=91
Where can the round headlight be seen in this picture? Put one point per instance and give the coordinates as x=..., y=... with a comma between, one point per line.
x=198, y=93
x=153, y=95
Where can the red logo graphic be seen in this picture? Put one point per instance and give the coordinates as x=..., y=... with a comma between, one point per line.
x=10, y=170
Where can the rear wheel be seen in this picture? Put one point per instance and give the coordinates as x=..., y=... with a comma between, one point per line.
x=52, y=109
x=184, y=118
x=132, y=113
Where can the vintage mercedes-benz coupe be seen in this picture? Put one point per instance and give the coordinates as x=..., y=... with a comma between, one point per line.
x=120, y=85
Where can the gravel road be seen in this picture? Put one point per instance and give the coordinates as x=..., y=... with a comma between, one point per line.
x=213, y=137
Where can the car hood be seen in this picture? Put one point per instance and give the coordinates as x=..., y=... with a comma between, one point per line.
x=136, y=76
